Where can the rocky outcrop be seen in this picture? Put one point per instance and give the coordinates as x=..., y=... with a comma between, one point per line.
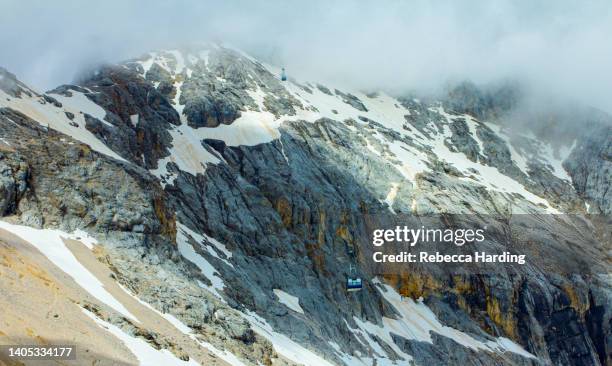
x=590, y=166
x=225, y=84
x=351, y=100
x=13, y=182
x=52, y=181
x=490, y=102
x=309, y=209
x=137, y=115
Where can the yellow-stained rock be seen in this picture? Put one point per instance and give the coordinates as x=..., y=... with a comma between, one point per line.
x=283, y=207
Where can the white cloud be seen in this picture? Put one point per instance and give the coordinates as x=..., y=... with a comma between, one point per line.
x=417, y=44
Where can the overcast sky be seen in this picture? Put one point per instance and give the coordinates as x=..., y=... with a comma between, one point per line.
x=562, y=46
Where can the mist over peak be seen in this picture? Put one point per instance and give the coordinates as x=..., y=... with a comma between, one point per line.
x=306, y=183
x=556, y=46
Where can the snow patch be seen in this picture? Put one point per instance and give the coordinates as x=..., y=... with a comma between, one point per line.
x=134, y=118
x=79, y=101
x=390, y=199
x=177, y=323
x=142, y=350
x=51, y=244
x=222, y=354
x=83, y=237
x=188, y=252
x=177, y=97
x=146, y=64
x=250, y=129
x=47, y=114
x=183, y=328
x=283, y=344
x=517, y=157
x=411, y=161
x=289, y=301
x=416, y=322
x=492, y=178
x=186, y=152
x=472, y=125
x=555, y=159
x=205, y=240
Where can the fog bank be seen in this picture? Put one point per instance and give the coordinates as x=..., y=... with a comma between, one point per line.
x=559, y=46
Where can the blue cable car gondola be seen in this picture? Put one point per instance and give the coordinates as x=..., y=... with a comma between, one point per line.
x=353, y=282
x=283, y=75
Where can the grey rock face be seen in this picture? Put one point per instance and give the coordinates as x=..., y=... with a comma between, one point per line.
x=590, y=166
x=48, y=180
x=213, y=110
x=597, y=320
x=462, y=139
x=219, y=89
x=261, y=204
x=442, y=352
x=291, y=211
x=555, y=123
x=237, y=328
x=13, y=183
x=496, y=153
x=485, y=104
x=127, y=97
x=351, y=100
x=158, y=74
x=74, y=187
x=278, y=223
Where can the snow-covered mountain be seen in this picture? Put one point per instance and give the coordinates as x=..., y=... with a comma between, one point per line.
x=202, y=211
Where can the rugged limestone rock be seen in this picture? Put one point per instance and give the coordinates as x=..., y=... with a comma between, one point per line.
x=591, y=176
x=137, y=115
x=13, y=183
x=50, y=182
x=223, y=86
x=489, y=103
x=351, y=100
x=289, y=212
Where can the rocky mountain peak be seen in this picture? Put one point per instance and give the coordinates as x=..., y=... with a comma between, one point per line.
x=232, y=206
